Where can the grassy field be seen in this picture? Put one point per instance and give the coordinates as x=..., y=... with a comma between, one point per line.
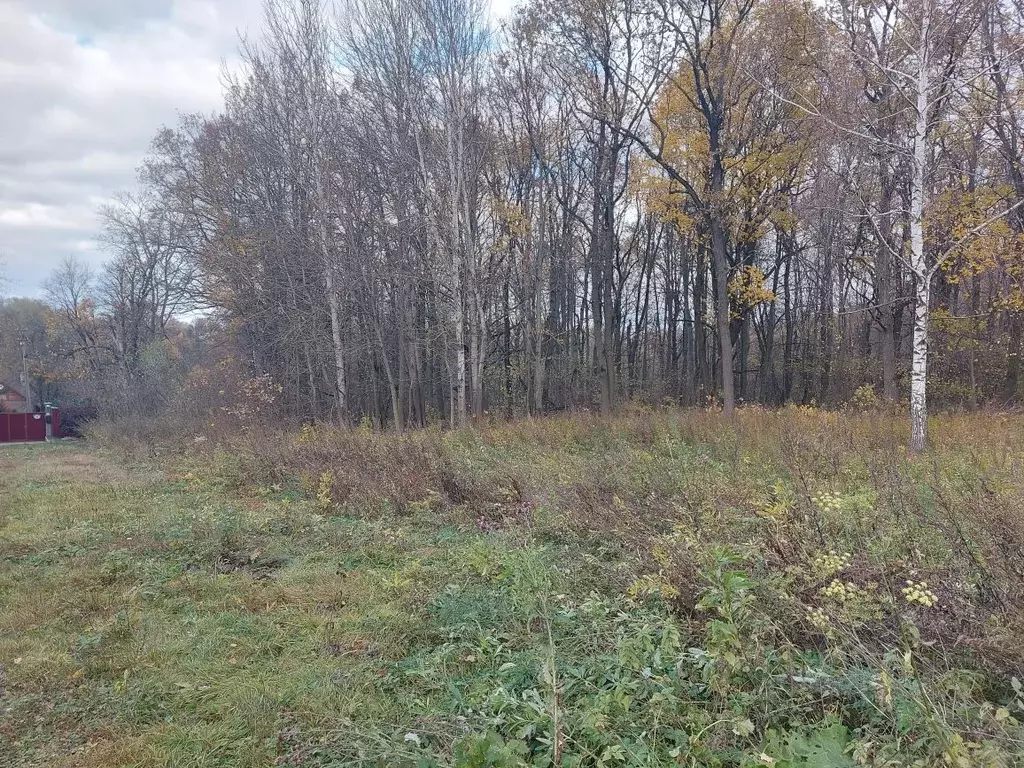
x=665, y=589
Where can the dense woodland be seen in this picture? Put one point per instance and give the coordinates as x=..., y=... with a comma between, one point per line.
x=404, y=215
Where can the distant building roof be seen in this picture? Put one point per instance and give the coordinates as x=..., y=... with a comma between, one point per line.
x=6, y=390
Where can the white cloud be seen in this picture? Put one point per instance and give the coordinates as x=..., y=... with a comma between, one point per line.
x=84, y=87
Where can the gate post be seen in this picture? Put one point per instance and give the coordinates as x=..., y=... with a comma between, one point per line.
x=53, y=431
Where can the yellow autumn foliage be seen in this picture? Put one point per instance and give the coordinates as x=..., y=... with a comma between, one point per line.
x=765, y=140
x=983, y=241
x=747, y=289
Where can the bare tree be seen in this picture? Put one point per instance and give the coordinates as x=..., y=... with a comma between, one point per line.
x=400, y=218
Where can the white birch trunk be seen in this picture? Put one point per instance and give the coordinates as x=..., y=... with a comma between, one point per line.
x=919, y=369
x=459, y=415
x=479, y=356
x=458, y=298
x=922, y=275
x=538, y=335
x=334, y=305
x=542, y=277
x=338, y=342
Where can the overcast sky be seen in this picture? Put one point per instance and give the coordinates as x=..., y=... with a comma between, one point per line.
x=84, y=87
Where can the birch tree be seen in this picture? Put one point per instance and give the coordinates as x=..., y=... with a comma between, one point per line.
x=297, y=39
x=399, y=218
x=916, y=50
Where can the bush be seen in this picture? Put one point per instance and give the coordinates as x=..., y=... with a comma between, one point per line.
x=864, y=398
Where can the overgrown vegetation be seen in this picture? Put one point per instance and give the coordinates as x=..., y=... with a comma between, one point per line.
x=662, y=589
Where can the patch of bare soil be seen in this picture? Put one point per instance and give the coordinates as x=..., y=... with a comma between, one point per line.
x=256, y=565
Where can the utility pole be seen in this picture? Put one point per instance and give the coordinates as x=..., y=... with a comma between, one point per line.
x=26, y=382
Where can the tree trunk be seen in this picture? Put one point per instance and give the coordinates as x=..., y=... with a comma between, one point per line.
x=922, y=292
x=1011, y=383
x=599, y=291
x=884, y=278
x=539, y=363
x=721, y=267
x=459, y=399
x=919, y=369
x=333, y=303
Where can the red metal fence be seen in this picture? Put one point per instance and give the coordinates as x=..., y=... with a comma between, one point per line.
x=22, y=427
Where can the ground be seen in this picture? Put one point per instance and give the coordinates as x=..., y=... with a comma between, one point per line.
x=660, y=591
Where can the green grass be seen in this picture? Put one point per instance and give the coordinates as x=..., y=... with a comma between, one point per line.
x=564, y=592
